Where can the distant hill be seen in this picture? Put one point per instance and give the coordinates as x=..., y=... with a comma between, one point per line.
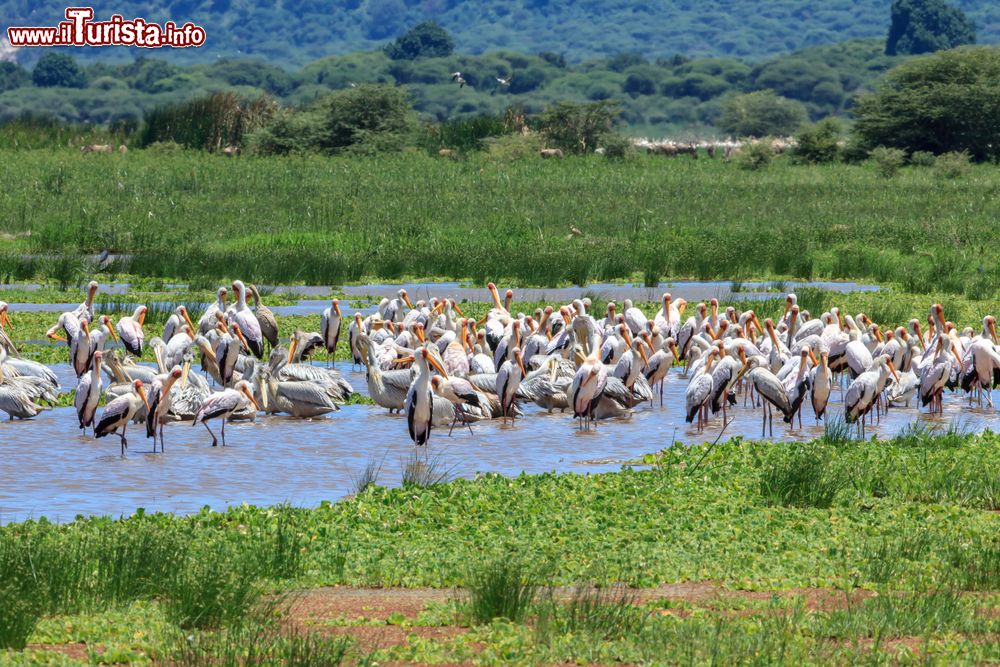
x=673, y=96
x=294, y=32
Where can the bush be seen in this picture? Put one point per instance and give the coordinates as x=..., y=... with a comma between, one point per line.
x=952, y=165
x=500, y=588
x=888, y=160
x=760, y=114
x=755, y=156
x=367, y=119
x=922, y=159
x=511, y=147
x=801, y=476
x=578, y=128
x=618, y=147
x=209, y=123
x=819, y=143
x=925, y=26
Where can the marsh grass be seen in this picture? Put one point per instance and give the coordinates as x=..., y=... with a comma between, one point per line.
x=501, y=587
x=885, y=558
x=606, y=613
x=891, y=615
x=836, y=430
x=803, y=477
x=422, y=469
x=369, y=475
x=976, y=564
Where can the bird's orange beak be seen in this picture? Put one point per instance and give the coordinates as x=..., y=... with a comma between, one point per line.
x=454, y=304
x=420, y=334
x=250, y=397
x=402, y=361
x=292, y=345
x=5, y=319
x=645, y=357
x=812, y=357
x=86, y=328
x=336, y=307
x=142, y=318
x=142, y=394
x=187, y=318
x=673, y=348
x=892, y=368
x=993, y=331
x=520, y=363
x=432, y=360
x=406, y=300
x=239, y=334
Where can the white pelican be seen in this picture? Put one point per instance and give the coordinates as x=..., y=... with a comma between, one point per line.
x=130, y=331
x=17, y=396
x=160, y=402
x=119, y=412
x=221, y=405
x=419, y=398
x=509, y=378
x=88, y=394
x=329, y=328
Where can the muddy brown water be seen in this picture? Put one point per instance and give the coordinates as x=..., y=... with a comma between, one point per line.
x=47, y=468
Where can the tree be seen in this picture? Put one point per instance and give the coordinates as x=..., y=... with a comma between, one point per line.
x=424, y=40
x=760, y=114
x=58, y=69
x=12, y=76
x=578, y=128
x=365, y=119
x=925, y=26
x=941, y=103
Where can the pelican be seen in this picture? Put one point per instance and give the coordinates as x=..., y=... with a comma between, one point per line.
x=304, y=399
x=265, y=318
x=329, y=328
x=387, y=388
x=15, y=398
x=88, y=394
x=419, y=402
x=119, y=412
x=509, y=377
x=159, y=403
x=208, y=320
x=222, y=405
x=245, y=318
x=130, y=331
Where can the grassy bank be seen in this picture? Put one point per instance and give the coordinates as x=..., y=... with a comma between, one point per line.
x=323, y=221
x=874, y=550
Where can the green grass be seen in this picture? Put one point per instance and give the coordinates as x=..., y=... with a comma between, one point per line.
x=322, y=221
x=500, y=588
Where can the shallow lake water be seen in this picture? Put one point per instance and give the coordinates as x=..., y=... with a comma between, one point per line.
x=48, y=469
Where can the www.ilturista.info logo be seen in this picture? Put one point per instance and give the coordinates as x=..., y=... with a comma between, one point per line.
x=79, y=29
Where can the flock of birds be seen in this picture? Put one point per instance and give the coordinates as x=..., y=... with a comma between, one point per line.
x=441, y=368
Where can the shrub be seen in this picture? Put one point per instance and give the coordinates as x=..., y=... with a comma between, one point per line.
x=618, y=147
x=578, y=128
x=952, y=165
x=755, y=156
x=58, y=69
x=819, y=143
x=500, y=588
x=922, y=159
x=516, y=146
x=210, y=123
x=760, y=114
x=424, y=40
x=888, y=160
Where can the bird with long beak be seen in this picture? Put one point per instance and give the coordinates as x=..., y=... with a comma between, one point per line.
x=419, y=404
x=354, y=340
x=131, y=333
x=160, y=402
x=85, y=311
x=5, y=316
x=221, y=405
x=119, y=412
x=80, y=349
x=227, y=352
x=329, y=329
x=88, y=394
x=509, y=377
x=587, y=388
